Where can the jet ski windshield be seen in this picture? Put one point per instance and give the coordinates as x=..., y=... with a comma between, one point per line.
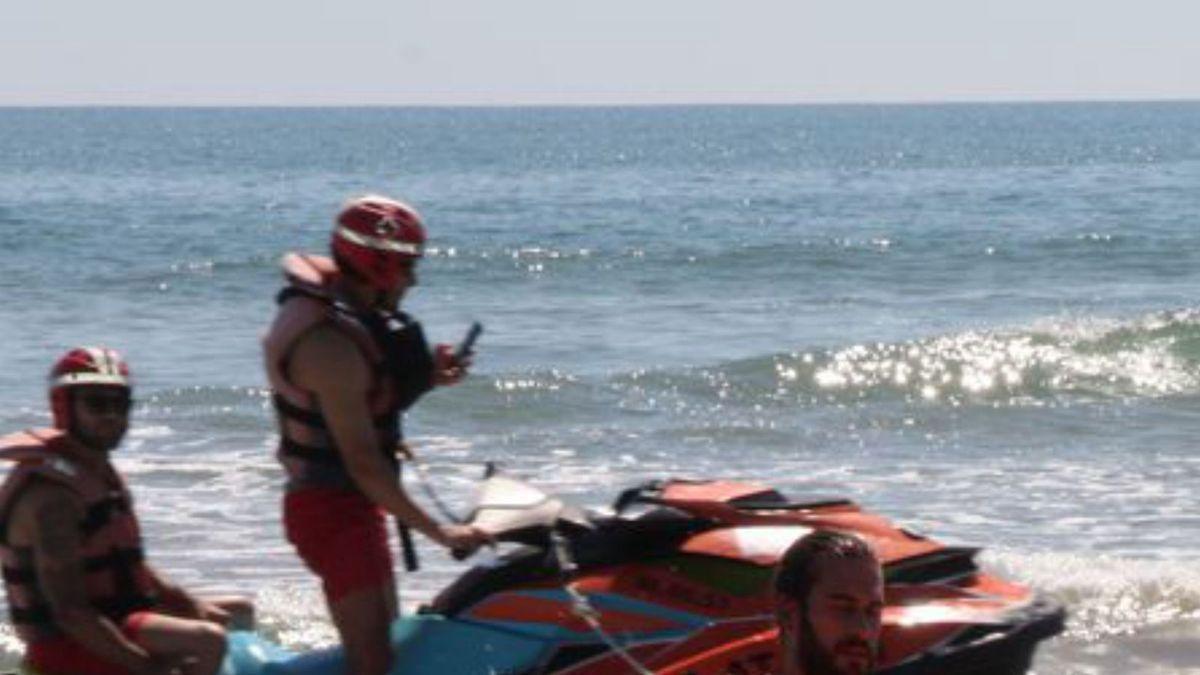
x=514, y=511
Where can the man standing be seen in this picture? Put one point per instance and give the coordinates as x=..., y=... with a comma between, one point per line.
x=344, y=364
x=80, y=593
x=829, y=600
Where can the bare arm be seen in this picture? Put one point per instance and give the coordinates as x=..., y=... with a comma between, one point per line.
x=51, y=514
x=177, y=601
x=164, y=587
x=330, y=365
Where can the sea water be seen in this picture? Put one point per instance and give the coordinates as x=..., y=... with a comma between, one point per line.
x=981, y=321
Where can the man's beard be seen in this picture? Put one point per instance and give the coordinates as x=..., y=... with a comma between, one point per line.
x=817, y=661
x=100, y=443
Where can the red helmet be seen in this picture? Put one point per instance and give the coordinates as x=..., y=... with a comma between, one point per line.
x=84, y=366
x=374, y=236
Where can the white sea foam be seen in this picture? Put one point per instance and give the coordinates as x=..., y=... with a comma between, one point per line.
x=1109, y=596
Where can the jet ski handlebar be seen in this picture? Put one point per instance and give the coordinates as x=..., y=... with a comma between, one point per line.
x=513, y=511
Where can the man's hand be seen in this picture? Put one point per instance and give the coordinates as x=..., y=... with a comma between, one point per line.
x=447, y=369
x=463, y=539
x=183, y=604
x=210, y=612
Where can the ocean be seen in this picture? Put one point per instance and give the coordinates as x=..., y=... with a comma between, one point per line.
x=979, y=320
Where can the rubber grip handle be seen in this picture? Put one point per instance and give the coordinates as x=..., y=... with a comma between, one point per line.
x=408, y=549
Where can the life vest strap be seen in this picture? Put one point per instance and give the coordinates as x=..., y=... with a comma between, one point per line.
x=310, y=453
x=101, y=512
x=293, y=412
x=314, y=419
x=289, y=292
x=121, y=557
x=113, y=608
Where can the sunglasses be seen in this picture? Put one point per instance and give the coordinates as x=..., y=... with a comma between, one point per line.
x=101, y=404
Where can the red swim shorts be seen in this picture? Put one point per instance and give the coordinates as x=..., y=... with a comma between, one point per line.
x=341, y=536
x=60, y=655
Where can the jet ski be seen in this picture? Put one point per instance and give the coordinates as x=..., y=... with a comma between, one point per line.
x=674, y=579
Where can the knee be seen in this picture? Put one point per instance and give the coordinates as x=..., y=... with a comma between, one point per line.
x=209, y=640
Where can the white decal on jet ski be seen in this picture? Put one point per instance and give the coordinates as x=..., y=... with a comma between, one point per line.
x=768, y=541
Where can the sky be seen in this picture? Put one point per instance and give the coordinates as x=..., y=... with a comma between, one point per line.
x=517, y=52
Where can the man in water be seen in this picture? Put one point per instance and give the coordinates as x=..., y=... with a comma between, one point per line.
x=80, y=593
x=344, y=364
x=829, y=601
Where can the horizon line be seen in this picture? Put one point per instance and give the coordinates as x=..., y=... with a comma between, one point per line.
x=593, y=104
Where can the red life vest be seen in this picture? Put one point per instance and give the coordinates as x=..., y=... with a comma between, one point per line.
x=116, y=579
x=393, y=345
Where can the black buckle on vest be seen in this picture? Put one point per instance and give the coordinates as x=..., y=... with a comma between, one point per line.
x=99, y=513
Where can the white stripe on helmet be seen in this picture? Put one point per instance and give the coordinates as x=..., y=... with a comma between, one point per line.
x=379, y=243
x=90, y=378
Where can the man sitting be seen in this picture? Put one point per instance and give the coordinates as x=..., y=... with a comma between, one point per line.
x=80, y=593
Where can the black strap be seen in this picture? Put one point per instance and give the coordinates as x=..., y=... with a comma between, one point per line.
x=114, y=608
x=37, y=615
x=289, y=292
x=99, y=513
x=408, y=549
x=117, y=558
x=314, y=419
x=291, y=411
x=328, y=456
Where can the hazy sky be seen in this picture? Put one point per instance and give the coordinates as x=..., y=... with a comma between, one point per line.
x=614, y=51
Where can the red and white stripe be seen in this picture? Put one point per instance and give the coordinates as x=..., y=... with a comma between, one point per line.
x=106, y=369
x=378, y=243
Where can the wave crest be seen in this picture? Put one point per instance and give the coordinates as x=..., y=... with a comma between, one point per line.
x=1152, y=356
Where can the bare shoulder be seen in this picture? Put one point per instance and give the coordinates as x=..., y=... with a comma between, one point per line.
x=42, y=505
x=327, y=360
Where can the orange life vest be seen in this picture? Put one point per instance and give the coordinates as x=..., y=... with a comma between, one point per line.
x=116, y=579
x=392, y=343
